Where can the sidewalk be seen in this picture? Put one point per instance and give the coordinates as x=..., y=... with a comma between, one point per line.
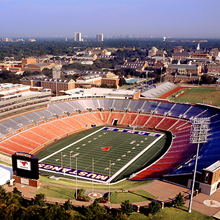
x=165, y=192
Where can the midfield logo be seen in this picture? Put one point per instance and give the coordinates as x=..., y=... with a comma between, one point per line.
x=106, y=148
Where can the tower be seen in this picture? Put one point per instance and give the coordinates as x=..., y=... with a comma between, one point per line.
x=99, y=37
x=198, y=46
x=56, y=72
x=77, y=36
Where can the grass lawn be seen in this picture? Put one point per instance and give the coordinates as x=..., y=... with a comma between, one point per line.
x=126, y=86
x=201, y=95
x=172, y=97
x=172, y=213
x=133, y=196
x=125, y=184
x=57, y=192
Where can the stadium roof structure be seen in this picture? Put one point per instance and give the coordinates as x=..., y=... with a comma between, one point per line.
x=100, y=92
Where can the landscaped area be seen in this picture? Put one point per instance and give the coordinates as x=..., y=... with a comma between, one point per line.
x=123, y=185
x=133, y=196
x=170, y=213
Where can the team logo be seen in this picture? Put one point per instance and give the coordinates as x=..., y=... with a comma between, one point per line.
x=106, y=148
x=23, y=164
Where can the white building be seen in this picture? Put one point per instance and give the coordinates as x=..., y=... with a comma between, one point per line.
x=99, y=37
x=77, y=36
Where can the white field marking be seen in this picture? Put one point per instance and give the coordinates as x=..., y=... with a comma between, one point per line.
x=70, y=145
x=135, y=158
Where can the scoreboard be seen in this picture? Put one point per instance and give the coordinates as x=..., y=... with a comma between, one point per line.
x=25, y=165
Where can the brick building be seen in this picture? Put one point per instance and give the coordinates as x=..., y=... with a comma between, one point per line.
x=48, y=83
x=178, y=49
x=183, y=69
x=213, y=68
x=180, y=56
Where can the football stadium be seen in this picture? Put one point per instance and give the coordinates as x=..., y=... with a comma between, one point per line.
x=108, y=140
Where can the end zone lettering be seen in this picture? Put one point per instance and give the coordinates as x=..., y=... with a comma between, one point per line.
x=72, y=172
x=132, y=132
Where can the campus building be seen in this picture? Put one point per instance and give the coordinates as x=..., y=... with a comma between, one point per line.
x=48, y=83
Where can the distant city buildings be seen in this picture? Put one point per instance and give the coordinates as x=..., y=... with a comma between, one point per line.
x=77, y=36
x=99, y=37
x=6, y=39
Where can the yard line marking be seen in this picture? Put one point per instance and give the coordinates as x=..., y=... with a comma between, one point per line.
x=70, y=145
x=134, y=158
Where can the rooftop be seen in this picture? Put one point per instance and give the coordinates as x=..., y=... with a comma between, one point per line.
x=215, y=166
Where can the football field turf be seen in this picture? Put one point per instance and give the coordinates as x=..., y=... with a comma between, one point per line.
x=102, y=151
x=199, y=95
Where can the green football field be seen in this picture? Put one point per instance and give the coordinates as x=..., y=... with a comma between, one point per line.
x=103, y=152
x=200, y=95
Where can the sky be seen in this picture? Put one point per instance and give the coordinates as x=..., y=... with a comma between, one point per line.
x=158, y=18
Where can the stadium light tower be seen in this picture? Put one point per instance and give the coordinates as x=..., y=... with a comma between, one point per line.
x=199, y=133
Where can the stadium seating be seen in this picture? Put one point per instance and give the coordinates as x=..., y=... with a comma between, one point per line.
x=141, y=119
x=153, y=114
x=62, y=125
x=93, y=118
x=115, y=115
x=43, y=132
x=34, y=137
x=105, y=116
x=128, y=118
x=29, y=144
x=98, y=115
x=167, y=123
x=52, y=128
x=153, y=121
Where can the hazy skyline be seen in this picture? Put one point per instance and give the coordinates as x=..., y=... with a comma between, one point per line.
x=158, y=18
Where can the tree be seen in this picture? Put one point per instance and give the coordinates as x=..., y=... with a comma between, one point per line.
x=154, y=207
x=179, y=200
x=95, y=210
x=67, y=205
x=207, y=79
x=122, y=81
x=127, y=207
x=40, y=200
